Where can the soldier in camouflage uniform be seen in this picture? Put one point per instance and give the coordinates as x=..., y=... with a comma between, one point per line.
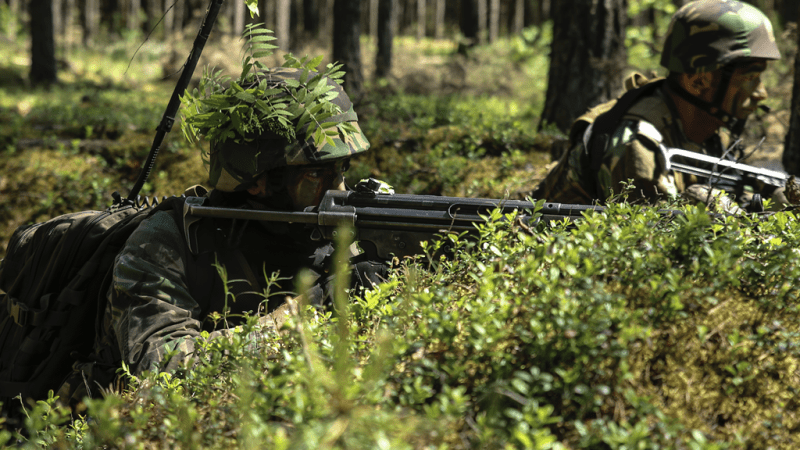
x=165, y=284
x=715, y=52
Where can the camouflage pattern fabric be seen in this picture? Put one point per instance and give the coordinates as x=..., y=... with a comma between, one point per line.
x=235, y=166
x=705, y=35
x=630, y=155
x=162, y=296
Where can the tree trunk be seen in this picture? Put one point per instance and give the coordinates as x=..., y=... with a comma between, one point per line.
x=519, y=16
x=169, y=19
x=238, y=17
x=43, y=52
x=180, y=18
x=587, y=58
x=439, y=20
x=788, y=11
x=468, y=20
x=13, y=9
x=373, y=20
x=69, y=10
x=791, y=149
x=92, y=18
x=421, y=18
x=346, y=45
x=327, y=23
x=383, y=58
x=132, y=19
x=58, y=19
x=311, y=17
x=494, y=20
x=482, y=18
x=282, y=18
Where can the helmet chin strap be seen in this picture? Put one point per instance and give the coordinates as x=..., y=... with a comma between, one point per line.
x=714, y=108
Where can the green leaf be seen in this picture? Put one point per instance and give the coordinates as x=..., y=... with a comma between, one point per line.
x=252, y=6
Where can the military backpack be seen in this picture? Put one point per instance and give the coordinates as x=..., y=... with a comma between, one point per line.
x=53, y=283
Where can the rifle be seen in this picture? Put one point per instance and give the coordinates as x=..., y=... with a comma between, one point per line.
x=718, y=168
x=387, y=225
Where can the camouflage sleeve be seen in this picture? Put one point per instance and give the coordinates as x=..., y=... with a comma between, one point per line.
x=633, y=154
x=149, y=301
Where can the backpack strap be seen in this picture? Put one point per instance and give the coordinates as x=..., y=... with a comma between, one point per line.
x=599, y=132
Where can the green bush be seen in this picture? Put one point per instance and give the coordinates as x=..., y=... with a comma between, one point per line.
x=629, y=329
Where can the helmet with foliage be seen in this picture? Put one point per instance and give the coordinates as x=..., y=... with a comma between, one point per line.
x=235, y=164
x=706, y=35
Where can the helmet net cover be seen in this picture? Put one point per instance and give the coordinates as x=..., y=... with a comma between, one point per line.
x=235, y=166
x=706, y=35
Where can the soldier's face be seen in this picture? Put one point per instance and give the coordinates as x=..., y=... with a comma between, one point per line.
x=746, y=90
x=307, y=184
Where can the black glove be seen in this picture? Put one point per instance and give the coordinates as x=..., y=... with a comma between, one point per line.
x=367, y=274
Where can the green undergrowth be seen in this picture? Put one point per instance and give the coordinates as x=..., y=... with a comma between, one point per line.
x=629, y=330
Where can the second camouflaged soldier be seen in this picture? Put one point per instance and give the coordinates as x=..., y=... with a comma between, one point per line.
x=166, y=287
x=715, y=52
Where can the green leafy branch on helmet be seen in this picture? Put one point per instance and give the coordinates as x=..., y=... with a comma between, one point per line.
x=219, y=110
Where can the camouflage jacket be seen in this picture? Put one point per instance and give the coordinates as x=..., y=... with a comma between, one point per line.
x=163, y=294
x=630, y=154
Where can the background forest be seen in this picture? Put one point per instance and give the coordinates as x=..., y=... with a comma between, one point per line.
x=627, y=332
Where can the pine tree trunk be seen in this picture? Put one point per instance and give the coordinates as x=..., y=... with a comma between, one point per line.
x=421, y=18
x=373, y=20
x=58, y=19
x=494, y=20
x=239, y=17
x=468, y=20
x=13, y=9
x=482, y=19
x=282, y=20
x=43, y=52
x=132, y=19
x=439, y=27
x=69, y=11
x=346, y=45
x=383, y=58
x=311, y=17
x=519, y=16
x=169, y=19
x=92, y=17
x=791, y=150
x=587, y=58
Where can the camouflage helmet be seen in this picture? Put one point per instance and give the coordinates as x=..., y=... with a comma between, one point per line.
x=235, y=166
x=706, y=35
